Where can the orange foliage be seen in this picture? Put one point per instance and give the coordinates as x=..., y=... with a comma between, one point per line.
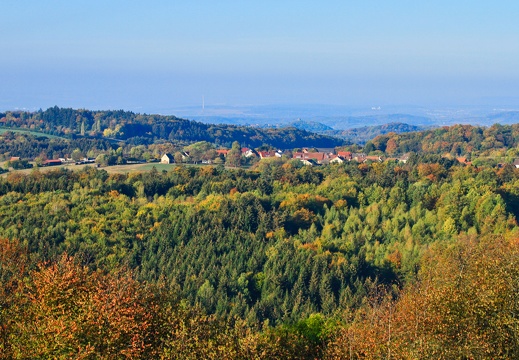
x=76, y=313
x=431, y=171
x=463, y=306
x=391, y=146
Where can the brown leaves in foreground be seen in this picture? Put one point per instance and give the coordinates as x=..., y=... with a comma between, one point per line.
x=465, y=305
x=73, y=312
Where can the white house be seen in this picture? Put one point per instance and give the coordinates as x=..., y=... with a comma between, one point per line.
x=167, y=159
x=335, y=159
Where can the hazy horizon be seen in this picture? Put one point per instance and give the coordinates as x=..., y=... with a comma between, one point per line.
x=163, y=55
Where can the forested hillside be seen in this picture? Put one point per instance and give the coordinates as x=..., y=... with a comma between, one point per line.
x=457, y=140
x=363, y=134
x=28, y=146
x=281, y=261
x=144, y=129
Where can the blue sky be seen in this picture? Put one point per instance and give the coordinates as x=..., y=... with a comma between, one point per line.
x=156, y=54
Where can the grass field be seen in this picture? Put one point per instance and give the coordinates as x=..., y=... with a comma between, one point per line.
x=120, y=169
x=138, y=167
x=34, y=133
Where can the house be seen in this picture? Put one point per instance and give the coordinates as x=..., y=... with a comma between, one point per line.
x=248, y=152
x=336, y=159
x=185, y=155
x=223, y=152
x=54, y=162
x=404, y=158
x=85, y=161
x=267, y=154
x=346, y=155
x=309, y=162
x=516, y=163
x=317, y=157
x=167, y=159
x=359, y=157
x=14, y=158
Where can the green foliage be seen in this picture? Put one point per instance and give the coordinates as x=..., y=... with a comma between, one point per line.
x=18, y=164
x=266, y=262
x=462, y=306
x=142, y=128
x=458, y=140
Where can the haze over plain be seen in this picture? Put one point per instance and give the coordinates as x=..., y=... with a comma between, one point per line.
x=161, y=56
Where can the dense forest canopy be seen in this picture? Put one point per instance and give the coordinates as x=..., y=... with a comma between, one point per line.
x=280, y=261
x=456, y=140
x=363, y=134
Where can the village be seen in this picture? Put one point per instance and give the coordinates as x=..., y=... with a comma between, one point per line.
x=206, y=154
x=243, y=156
x=313, y=157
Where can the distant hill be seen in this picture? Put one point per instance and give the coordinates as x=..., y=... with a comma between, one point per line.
x=505, y=117
x=145, y=129
x=351, y=122
x=322, y=124
x=312, y=126
x=365, y=133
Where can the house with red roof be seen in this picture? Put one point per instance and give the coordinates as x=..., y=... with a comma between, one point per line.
x=316, y=156
x=223, y=152
x=54, y=162
x=267, y=154
x=346, y=155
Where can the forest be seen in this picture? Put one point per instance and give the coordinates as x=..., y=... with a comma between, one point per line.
x=143, y=129
x=361, y=135
x=344, y=261
x=465, y=140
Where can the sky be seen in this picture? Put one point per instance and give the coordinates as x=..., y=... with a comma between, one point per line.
x=154, y=55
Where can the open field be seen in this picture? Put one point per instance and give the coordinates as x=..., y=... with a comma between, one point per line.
x=120, y=169
x=34, y=133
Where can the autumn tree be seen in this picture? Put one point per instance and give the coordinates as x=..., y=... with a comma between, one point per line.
x=74, y=312
x=234, y=155
x=463, y=306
